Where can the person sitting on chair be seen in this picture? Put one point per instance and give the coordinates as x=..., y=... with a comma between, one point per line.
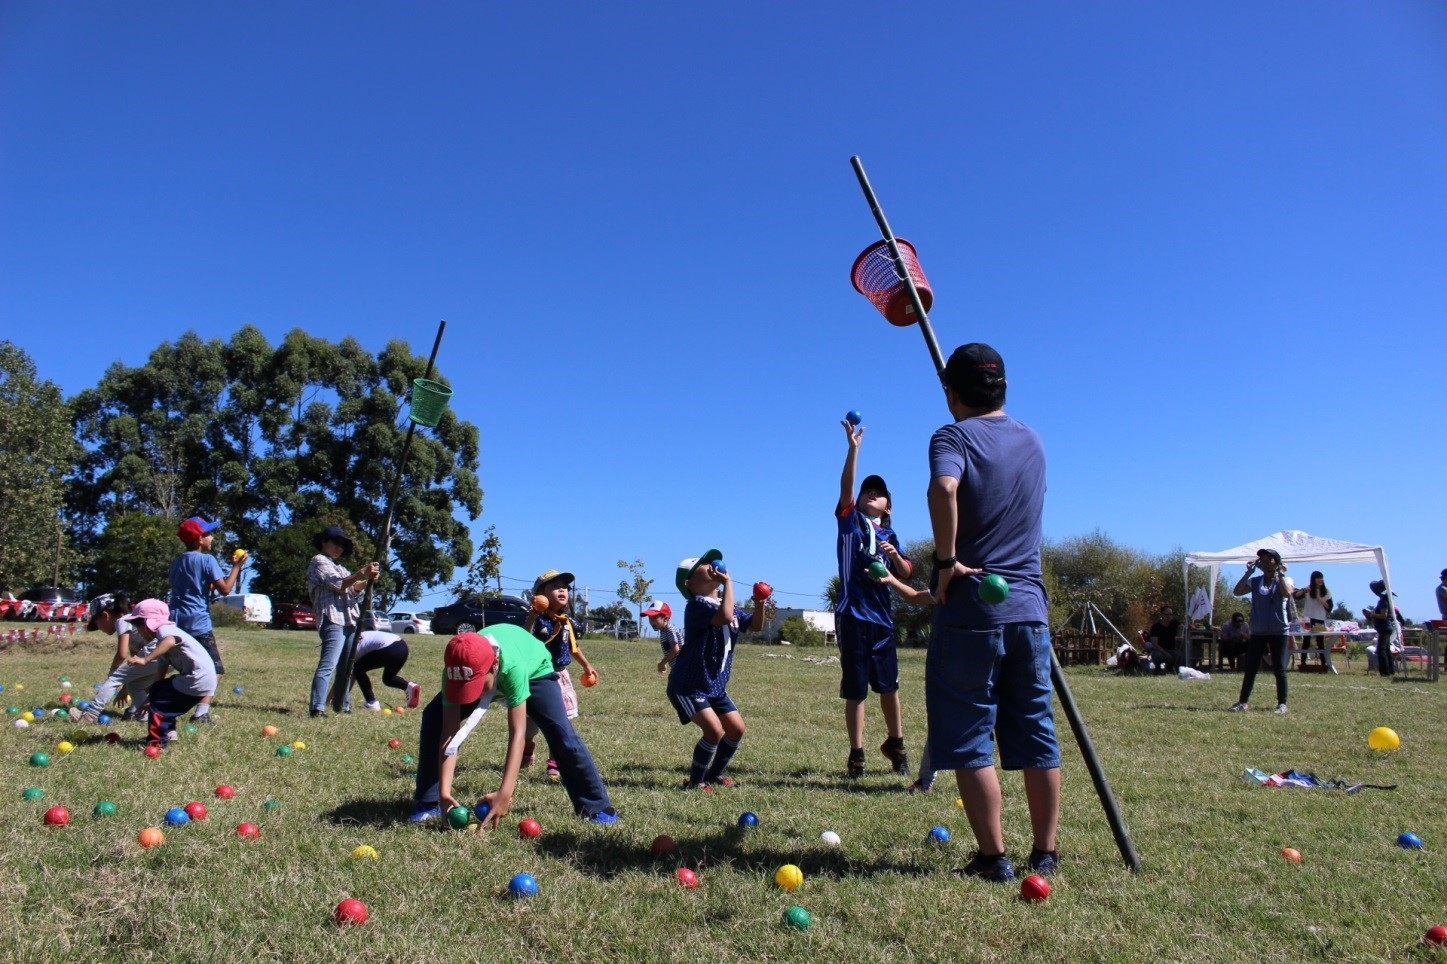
x=1234, y=634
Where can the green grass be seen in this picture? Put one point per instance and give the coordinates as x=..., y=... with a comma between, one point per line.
x=1214, y=887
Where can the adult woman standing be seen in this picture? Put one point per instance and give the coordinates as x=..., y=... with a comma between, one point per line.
x=1270, y=595
x=1316, y=606
x=333, y=590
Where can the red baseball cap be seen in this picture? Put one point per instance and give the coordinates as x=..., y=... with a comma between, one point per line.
x=194, y=528
x=465, y=664
x=658, y=608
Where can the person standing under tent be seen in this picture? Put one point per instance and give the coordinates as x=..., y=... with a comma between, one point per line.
x=1381, y=616
x=1442, y=595
x=1270, y=594
x=1316, y=607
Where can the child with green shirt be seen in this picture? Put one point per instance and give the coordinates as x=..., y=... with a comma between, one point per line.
x=509, y=663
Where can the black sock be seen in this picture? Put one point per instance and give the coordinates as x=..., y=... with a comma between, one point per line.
x=726, y=750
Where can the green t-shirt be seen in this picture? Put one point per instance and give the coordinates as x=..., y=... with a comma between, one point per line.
x=521, y=658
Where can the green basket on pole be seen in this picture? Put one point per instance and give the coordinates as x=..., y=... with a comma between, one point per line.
x=429, y=401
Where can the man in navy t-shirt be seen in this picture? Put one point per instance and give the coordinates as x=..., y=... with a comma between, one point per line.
x=863, y=620
x=987, y=672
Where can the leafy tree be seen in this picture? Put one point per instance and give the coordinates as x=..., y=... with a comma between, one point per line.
x=613, y=612
x=36, y=451
x=636, y=591
x=263, y=437
x=1342, y=611
x=133, y=555
x=797, y=632
x=487, y=565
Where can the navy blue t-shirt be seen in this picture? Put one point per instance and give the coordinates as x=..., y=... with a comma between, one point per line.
x=558, y=636
x=861, y=596
x=706, y=659
x=1000, y=464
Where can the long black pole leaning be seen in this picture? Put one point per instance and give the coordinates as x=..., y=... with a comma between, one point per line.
x=1062, y=688
x=342, y=680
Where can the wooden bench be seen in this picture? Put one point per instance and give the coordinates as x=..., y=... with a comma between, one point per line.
x=1082, y=649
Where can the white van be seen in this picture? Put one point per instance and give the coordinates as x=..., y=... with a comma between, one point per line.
x=255, y=607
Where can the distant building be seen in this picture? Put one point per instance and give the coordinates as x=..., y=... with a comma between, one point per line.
x=823, y=621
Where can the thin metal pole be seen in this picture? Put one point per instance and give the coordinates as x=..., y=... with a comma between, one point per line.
x=342, y=681
x=1062, y=688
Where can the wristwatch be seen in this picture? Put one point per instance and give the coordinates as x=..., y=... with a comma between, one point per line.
x=940, y=564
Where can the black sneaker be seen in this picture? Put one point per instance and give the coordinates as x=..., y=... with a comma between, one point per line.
x=1044, y=862
x=317, y=714
x=893, y=750
x=998, y=869
x=206, y=718
x=856, y=763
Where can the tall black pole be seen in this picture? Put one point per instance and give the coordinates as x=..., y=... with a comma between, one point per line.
x=342, y=680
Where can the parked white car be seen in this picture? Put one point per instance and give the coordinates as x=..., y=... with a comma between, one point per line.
x=404, y=621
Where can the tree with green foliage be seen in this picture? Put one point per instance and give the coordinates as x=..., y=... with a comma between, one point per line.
x=133, y=555
x=281, y=558
x=263, y=437
x=635, y=591
x=487, y=566
x=37, y=449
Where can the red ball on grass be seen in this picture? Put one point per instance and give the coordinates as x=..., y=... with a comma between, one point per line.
x=1034, y=888
x=530, y=829
x=350, y=911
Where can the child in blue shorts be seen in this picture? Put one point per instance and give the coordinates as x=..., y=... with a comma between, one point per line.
x=698, y=683
x=868, y=656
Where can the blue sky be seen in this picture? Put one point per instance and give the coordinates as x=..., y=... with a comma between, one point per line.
x=1210, y=245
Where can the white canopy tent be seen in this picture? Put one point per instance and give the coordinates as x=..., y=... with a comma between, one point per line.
x=1293, y=546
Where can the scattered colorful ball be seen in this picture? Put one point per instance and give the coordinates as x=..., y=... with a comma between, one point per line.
x=1383, y=738
x=152, y=750
x=105, y=809
x=830, y=837
x=522, y=885
x=458, y=817
x=150, y=837
x=939, y=835
x=788, y=877
x=1436, y=936
x=664, y=846
x=529, y=829
x=177, y=817
x=248, y=831
x=798, y=918
x=1291, y=854
x=269, y=730
x=748, y=819
x=196, y=810
x=1409, y=841
x=33, y=793
x=394, y=744
x=40, y=759
x=283, y=750
x=57, y=817
x=350, y=912
x=364, y=853
x=64, y=746
x=1034, y=888
x=225, y=792
x=686, y=877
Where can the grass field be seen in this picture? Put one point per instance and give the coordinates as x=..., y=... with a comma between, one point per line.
x=1214, y=888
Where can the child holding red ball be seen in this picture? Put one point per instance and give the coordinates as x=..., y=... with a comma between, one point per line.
x=698, y=683
x=549, y=621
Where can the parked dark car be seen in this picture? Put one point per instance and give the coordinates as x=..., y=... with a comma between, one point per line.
x=293, y=616
x=56, y=603
x=475, y=612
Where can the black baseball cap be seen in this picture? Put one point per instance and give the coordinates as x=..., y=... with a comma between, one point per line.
x=1276, y=556
x=876, y=483
x=973, y=362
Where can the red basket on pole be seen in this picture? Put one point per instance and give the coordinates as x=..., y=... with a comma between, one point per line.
x=875, y=277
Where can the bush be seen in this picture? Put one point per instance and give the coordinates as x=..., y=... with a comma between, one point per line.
x=797, y=632
x=227, y=617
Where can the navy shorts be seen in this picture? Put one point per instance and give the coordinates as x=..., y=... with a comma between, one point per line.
x=987, y=685
x=208, y=643
x=868, y=658
x=688, y=705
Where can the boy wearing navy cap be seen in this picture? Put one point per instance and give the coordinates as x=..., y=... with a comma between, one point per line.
x=505, y=661
x=195, y=573
x=868, y=656
x=698, y=684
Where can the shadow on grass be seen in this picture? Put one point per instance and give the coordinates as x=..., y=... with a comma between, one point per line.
x=382, y=814
x=671, y=778
x=609, y=854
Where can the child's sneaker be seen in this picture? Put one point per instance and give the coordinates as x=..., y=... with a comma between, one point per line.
x=723, y=782
x=208, y=718
x=700, y=787
x=856, y=763
x=919, y=786
x=529, y=748
x=414, y=695
x=374, y=705
x=553, y=773
x=426, y=813
x=893, y=750
x=1238, y=707
x=1280, y=709
x=605, y=817
x=1044, y=862
x=998, y=869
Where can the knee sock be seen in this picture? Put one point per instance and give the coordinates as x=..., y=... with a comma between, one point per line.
x=726, y=750
x=703, y=752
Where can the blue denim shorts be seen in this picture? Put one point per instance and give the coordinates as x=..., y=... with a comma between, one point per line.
x=984, y=685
